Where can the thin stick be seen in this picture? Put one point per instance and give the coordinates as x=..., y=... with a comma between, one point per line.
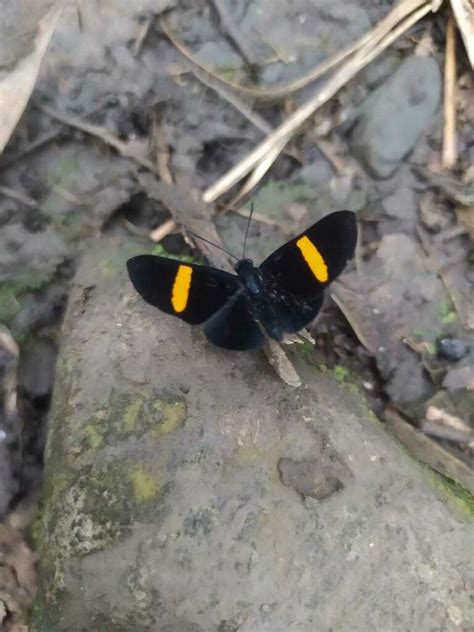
x=228, y=22
x=257, y=174
x=97, y=131
x=445, y=432
x=142, y=33
x=283, y=133
x=440, y=416
x=212, y=82
x=7, y=161
x=160, y=150
x=449, y=106
x=325, y=148
x=19, y=197
x=163, y=230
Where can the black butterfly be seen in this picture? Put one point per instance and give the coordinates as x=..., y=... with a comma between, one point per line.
x=282, y=295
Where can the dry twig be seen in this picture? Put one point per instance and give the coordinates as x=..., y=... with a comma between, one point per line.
x=449, y=101
x=160, y=151
x=428, y=451
x=163, y=230
x=440, y=416
x=256, y=175
x=127, y=150
x=464, y=14
x=142, y=33
x=211, y=82
x=8, y=161
x=228, y=22
x=283, y=133
x=19, y=197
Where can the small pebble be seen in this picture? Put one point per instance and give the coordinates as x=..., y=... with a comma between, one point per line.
x=452, y=349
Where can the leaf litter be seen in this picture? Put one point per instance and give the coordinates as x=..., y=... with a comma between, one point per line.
x=168, y=135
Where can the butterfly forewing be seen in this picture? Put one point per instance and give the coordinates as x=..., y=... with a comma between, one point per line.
x=187, y=290
x=305, y=265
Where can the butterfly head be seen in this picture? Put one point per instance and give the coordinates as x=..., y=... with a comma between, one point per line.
x=249, y=276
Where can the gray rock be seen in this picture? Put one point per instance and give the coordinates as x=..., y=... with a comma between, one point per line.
x=164, y=509
x=394, y=116
x=453, y=349
x=310, y=478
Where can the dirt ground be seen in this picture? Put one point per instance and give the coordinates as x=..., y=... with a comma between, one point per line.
x=118, y=104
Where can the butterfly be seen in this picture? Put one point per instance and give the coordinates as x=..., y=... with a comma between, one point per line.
x=282, y=295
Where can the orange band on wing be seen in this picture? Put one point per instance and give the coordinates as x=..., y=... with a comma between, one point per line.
x=180, y=291
x=313, y=258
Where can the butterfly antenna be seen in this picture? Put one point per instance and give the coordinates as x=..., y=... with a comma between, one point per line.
x=211, y=243
x=247, y=229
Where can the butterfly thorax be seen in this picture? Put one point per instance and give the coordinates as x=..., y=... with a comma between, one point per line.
x=250, y=277
x=260, y=302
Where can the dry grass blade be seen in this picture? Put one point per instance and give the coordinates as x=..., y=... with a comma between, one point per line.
x=16, y=86
x=268, y=94
x=256, y=217
x=464, y=14
x=389, y=22
x=449, y=101
x=283, y=133
x=256, y=175
x=210, y=81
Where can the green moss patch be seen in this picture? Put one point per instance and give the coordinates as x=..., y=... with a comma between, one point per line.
x=144, y=486
x=168, y=415
x=456, y=496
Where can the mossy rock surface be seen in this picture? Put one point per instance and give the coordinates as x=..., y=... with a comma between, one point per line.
x=189, y=490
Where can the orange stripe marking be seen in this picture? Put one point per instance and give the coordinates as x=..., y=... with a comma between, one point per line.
x=313, y=258
x=181, y=286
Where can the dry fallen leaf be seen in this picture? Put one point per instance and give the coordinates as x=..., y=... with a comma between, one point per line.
x=17, y=579
x=17, y=85
x=281, y=363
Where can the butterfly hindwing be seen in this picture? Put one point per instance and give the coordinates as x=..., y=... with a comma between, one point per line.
x=233, y=326
x=187, y=290
x=305, y=265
